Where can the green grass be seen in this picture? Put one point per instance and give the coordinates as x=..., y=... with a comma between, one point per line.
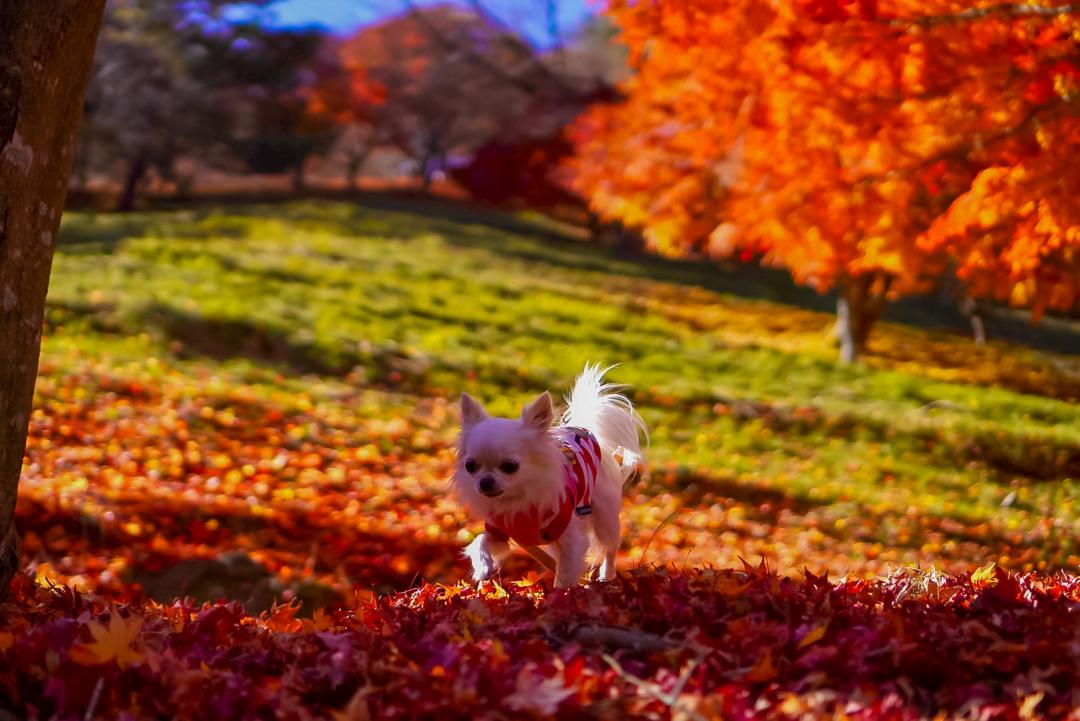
x=930, y=444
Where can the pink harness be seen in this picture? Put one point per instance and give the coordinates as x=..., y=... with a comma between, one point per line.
x=539, y=526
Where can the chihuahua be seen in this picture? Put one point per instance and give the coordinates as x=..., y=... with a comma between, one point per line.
x=540, y=485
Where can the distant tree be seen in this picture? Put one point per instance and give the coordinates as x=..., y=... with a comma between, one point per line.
x=342, y=93
x=524, y=164
x=141, y=113
x=145, y=106
x=521, y=172
x=260, y=76
x=448, y=79
x=46, y=49
x=172, y=79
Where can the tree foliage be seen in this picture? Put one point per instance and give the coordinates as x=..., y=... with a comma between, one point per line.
x=175, y=81
x=432, y=82
x=860, y=145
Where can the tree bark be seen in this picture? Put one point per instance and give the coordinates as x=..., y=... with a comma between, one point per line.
x=136, y=172
x=46, y=47
x=351, y=172
x=858, y=307
x=425, y=172
x=629, y=242
x=973, y=310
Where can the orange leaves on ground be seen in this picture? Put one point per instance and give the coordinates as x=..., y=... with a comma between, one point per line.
x=649, y=645
x=815, y=635
x=985, y=576
x=763, y=670
x=122, y=485
x=116, y=639
x=530, y=579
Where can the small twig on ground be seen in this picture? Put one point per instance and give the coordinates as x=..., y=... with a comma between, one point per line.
x=671, y=700
x=627, y=638
x=943, y=404
x=646, y=549
x=94, y=698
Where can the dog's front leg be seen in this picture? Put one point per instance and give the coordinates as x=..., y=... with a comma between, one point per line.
x=570, y=557
x=485, y=553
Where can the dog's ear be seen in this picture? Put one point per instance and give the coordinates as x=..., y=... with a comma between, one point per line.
x=539, y=413
x=471, y=410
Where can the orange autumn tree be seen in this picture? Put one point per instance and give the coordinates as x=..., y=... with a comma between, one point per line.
x=342, y=93
x=862, y=145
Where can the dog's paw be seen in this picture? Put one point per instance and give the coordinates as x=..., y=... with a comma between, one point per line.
x=482, y=568
x=483, y=565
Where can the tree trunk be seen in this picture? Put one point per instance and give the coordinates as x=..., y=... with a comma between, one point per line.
x=46, y=47
x=356, y=163
x=973, y=310
x=595, y=226
x=425, y=173
x=427, y=160
x=136, y=171
x=858, y=307
x=351, y=172
x=629, y=242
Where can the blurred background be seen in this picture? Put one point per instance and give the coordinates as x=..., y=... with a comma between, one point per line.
x=196, y=98
x=299, y=229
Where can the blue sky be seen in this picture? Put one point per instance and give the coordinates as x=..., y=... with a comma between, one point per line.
x=527, y=16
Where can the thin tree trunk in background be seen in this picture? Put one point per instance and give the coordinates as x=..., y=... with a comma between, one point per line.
x=46, y=47
x=629, y=242
x=846, y=314
x=425, y=173
x=351, y=172
x=136, y=172
x=973, y=310
x=858, y=307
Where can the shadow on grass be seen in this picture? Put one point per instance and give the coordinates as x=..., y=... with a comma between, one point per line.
x=776, y=508
x=1011, y=457
x=560, y=245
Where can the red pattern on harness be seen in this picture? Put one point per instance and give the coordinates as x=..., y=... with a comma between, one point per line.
x=540, y=526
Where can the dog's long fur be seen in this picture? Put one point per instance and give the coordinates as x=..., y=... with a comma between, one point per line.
x=487, y=445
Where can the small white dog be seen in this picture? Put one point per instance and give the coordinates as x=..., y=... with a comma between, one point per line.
x=540, y=485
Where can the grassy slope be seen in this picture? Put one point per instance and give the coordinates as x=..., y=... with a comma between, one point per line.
x=933, y=451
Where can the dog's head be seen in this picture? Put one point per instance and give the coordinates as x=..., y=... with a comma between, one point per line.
x=504, y=461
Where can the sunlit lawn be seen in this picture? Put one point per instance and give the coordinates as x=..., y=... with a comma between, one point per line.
x=281, y=381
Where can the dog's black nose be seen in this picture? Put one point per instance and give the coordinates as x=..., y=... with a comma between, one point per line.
x=487, y=484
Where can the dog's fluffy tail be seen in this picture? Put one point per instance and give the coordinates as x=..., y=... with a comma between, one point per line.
x=609, y=415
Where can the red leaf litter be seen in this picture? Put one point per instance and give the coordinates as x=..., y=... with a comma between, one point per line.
x=705, y=644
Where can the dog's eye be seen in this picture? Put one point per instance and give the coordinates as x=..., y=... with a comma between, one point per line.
x=508, y=466
x=472, y=466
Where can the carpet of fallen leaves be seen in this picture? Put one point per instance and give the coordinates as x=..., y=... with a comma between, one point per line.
x=703, y=644
x=137, y=468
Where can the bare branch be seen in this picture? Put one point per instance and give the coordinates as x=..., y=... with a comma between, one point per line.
x=526, y=84
x=626, y=638
x=978, y=13
x=671, y=700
